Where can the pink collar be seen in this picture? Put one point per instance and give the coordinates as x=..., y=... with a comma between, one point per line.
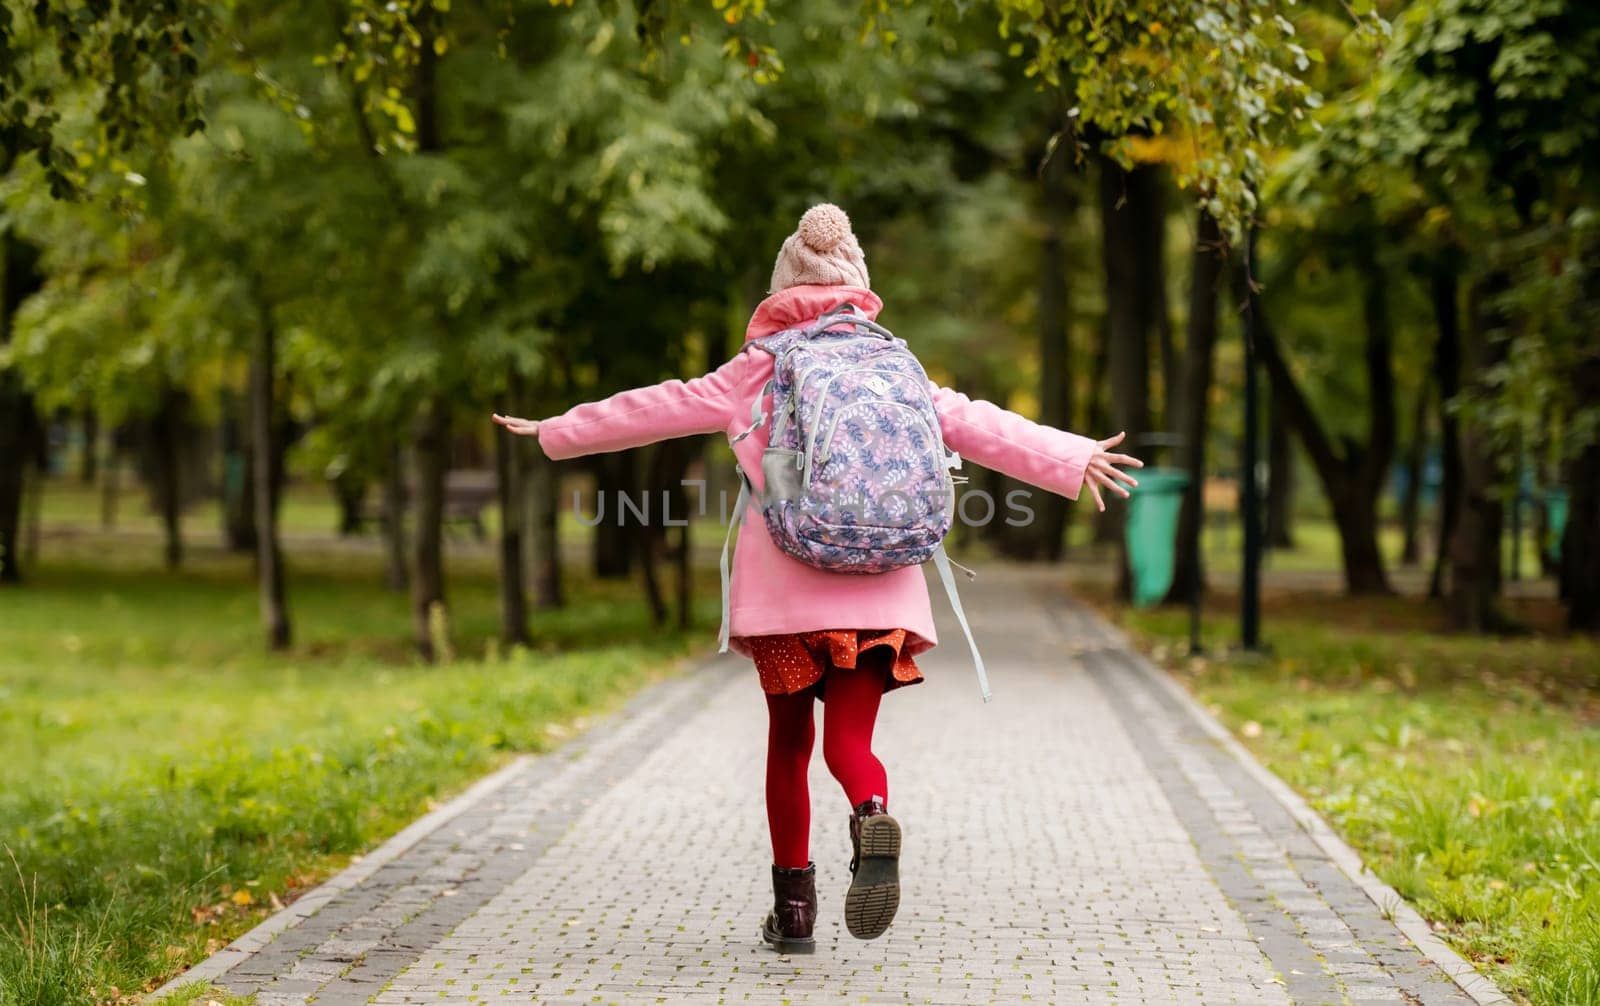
x=800, y=304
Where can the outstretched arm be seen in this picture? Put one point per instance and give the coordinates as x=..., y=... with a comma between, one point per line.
x=645, y=415
x=1040, y=455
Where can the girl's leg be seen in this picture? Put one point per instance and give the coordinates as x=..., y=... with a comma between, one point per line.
x=791, y=732
x=852, y=701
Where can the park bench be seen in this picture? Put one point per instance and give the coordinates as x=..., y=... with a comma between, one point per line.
x=467, y=492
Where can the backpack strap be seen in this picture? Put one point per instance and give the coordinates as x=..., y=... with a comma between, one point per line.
x=941, y=562
x=849, y=314
x=727, y=543
x=757, y=415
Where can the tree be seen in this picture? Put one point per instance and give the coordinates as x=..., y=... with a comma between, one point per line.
x=1496, y=107
x=1192, y=414
x=19, y=419
x=1347, y=218
x=1131, y=212
x=134, y=66
x=1352, y=473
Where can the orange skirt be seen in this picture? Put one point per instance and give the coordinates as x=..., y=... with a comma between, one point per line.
x=794, y=662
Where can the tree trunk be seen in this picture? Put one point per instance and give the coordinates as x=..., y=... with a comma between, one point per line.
x=616, y=487
x=269, y=555
x=1411, y=505
x=238, y=475
x=645, y=543
x=20, y=278
x=110, y=482
x=429, y=613
x=396, y=575
x=1099, y=408
x=1280, y=476
x=668, y=468
x=1444, y=284
x=544, y=542
x=508, y=451
x=1191, y=414
x=1124, y=196
x=350, y=494
x=1157, y=313
x=1375, y=459
x=1357, y=521
x=1353, y=480
x=1580, y=543
x=164, y=433
x=16, y=408
x=33, y=506
x=1055, y=314
x=685, y=574
x=89, y=460
x=1473, y=585
x=1044, y=536
x=431, y=448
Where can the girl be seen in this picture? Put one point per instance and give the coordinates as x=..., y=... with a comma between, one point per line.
x=813, y=634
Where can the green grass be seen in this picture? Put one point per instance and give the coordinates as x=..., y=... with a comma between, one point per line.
x=204, y=994
x=164, y=783
x=1465, y=770
x=309, y=510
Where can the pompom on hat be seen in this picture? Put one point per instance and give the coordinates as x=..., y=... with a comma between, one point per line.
x=822, y=251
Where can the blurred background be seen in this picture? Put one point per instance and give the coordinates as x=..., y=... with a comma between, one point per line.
x=271, y=580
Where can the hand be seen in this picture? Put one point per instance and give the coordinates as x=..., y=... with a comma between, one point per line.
x=521, y=427
x=1101, y=471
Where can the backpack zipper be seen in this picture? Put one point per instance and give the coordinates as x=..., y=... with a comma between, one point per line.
x=833, y=427
x=822, y=396
x=800, y=380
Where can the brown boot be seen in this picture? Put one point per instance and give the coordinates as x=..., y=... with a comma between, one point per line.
x=794, y=910
x=874, y=893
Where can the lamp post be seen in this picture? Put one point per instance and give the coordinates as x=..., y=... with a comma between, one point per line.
x=1249, y=510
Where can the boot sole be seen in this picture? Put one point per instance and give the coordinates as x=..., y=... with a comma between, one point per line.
x=874, y=895
x=784, y=946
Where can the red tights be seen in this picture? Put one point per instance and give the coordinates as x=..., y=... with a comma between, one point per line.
x=853, y=695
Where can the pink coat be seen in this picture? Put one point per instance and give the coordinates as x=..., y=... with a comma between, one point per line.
x=773, y=594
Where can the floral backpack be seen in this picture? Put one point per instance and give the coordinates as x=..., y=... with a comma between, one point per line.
x=856, y=475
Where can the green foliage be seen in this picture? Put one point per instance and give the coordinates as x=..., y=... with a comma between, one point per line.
x=1527, y=401
x=1467, y=141
x=1207, y=87
x=119, y=319
x=1501, y=97
x=1497, y=108
x=131, y=66
x=1226, y=79
x=621, y=150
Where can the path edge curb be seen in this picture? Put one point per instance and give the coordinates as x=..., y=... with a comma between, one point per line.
x=308, y=904
x=1413, y=926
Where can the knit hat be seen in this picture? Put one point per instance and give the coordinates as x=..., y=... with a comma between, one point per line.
x=821, y=251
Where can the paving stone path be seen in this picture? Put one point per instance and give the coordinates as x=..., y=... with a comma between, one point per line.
x=1088, y=837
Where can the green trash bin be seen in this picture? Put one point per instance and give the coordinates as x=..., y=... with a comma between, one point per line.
x=1555, y=513
x=1152, y=531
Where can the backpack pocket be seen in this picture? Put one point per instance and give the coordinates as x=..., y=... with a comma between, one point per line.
x=781, y=475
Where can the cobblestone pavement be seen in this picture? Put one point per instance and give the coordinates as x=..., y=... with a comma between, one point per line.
x=1081, y=839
